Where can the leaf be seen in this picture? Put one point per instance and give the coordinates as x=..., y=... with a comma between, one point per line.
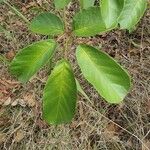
x=86, y=3
x=19, y=135
x=61, y=3
x=30, y=59
x=132, y=11
x=3, y=136
x=110, y=80
x=10, y=55
x=110, y=10
x=29, y=99
x=60, y=94
x=47, y=24
x=7, y=102
x=88, y=22
x=79, y=88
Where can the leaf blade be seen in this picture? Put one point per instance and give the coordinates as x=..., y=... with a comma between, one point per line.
x=88, y=22
x=61, y=3
x=47, y=24
x=110, y=10
x=132, y=11
x=86, y=3
x=108, y=78
x=80, y=90
x=60, y=94
x=31, y=58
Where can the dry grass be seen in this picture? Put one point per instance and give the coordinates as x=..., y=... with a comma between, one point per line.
x=97, y=125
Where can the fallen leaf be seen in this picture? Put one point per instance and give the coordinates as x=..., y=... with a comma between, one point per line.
x=18, y=136
x=111, y=127
x=21, y=102
x=23, y=9
x=7, y=102
x=2, y=137
x=6, y=89
x=29, y=99
x=39, y=2
x=15, y=103
x=111, y=131
x=10, y=55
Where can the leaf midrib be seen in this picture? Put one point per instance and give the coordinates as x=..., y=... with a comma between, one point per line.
x=60, y=97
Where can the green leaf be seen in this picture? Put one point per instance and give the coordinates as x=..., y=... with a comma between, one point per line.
x=88, y=22
x=110, y=10
x=132, y=11
x=60, y=94
x=30, y=59
x=110, y=80
x=61, y=3
x=47, y=24
x=86, y=3
x=80, y=90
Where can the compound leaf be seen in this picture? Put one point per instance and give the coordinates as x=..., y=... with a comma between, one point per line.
x=30, y=59
x=110, y=10
x=86, y=3
x=88, y=22
x=110, y=80
x=132, y=11
x=61, y=3
x=47, y=24
x=60, y=94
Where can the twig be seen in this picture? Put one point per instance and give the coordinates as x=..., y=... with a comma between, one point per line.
x=17, y=12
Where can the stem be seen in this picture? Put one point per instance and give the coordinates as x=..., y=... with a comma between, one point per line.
x=66, y=47
x=64, y=16
x=17, y=12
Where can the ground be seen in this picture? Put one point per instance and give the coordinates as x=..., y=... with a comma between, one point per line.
x=97, y=124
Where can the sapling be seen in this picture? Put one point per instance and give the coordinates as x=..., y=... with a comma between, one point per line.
x=109, y=79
